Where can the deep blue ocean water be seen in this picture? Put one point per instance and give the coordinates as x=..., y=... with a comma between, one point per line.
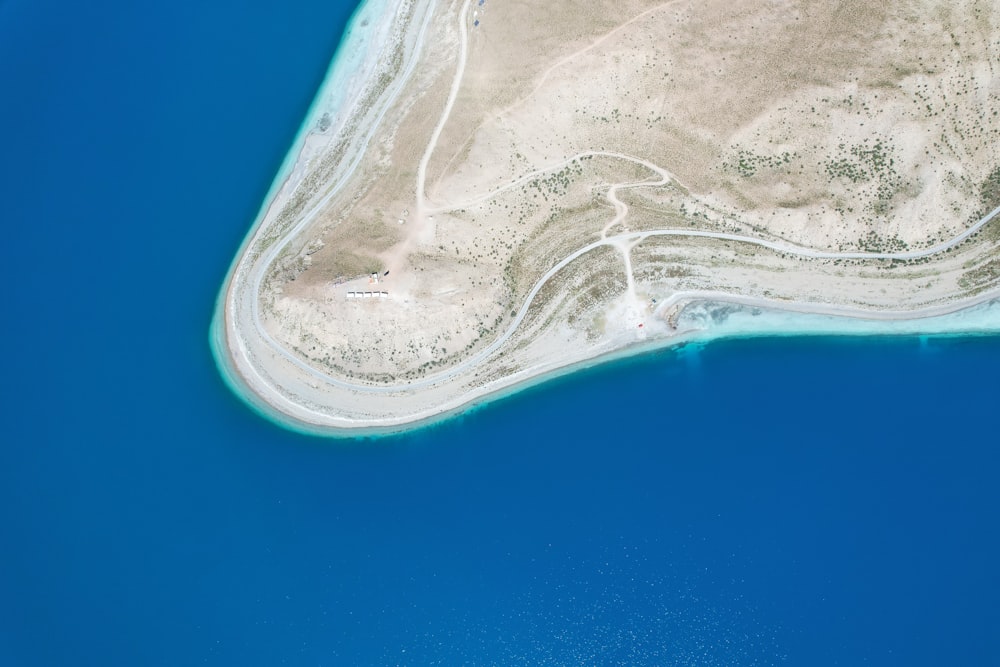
x=806, y=501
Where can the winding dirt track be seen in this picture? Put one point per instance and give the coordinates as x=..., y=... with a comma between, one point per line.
x=623, y=242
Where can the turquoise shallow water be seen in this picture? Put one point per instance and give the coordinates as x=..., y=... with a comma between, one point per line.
x=808, y=500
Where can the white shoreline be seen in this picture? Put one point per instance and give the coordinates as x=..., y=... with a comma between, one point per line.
x=972, y=322
x=345, y=84
x=338, y=93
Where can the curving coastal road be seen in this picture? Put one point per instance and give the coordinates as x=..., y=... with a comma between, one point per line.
x=623, y=242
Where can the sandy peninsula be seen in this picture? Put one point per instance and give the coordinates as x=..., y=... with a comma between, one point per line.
x=488, y=193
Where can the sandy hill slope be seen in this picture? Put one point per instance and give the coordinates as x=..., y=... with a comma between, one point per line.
x=552, y=181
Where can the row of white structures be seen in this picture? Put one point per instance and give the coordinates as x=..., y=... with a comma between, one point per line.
x=367, y=295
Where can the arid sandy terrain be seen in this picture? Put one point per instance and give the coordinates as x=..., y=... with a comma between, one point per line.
x=524, y=186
